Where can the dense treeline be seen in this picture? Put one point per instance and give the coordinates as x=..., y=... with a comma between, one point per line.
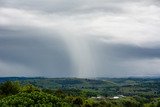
x=144, y=87
x=13, y=94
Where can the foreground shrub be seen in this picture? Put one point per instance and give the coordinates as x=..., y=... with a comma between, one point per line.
x=9, y=88
x=35, y=99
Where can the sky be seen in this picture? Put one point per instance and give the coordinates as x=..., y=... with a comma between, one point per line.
x=79, y=38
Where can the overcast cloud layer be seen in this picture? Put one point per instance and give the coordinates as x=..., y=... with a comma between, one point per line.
x=80, y=38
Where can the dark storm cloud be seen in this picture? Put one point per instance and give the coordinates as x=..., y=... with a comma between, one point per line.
x=132, y=51
x=62, y=37
x=123, y=60
x=123, y=51
x=17, y=47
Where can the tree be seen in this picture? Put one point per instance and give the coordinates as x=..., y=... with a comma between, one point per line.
x=29, y=88
x=152, y=105
x=77, y=101
x=158, y=104
x=9, y=87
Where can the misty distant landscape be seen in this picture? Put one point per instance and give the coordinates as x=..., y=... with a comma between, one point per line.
x=79, y=53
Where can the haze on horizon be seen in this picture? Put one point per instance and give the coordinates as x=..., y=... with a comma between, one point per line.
x=80, y=38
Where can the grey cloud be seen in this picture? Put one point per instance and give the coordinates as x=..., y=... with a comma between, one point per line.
x=65, y=6
x=48, y=44
x=72, y=6
x=45, y=56
x=52, y=59
x=119, y=60
x=122, y=50
x=132, y=51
